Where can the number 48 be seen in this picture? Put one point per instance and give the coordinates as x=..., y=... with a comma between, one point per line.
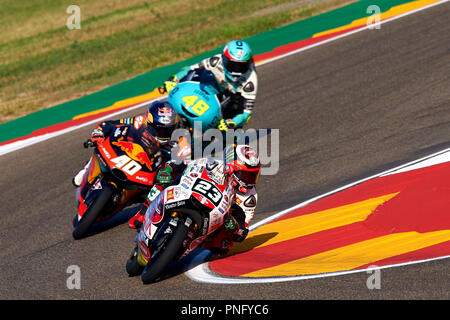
x=196, y=105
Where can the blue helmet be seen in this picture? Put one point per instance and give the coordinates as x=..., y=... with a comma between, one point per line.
x=237, y=59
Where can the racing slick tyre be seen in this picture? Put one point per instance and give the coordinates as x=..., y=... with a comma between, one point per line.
x=92, y=213
x=133, y=267
x=156, y=265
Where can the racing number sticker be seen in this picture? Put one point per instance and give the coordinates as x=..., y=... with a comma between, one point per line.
x=126, y=165
x=209, y=190
x=199, y=107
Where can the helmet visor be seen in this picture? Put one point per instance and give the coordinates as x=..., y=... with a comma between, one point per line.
x=149, y=141
x=235, y=67
x=247, y=178
x=164, y=133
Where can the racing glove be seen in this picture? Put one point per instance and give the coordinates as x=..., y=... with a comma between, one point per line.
x=170, y=83
x=224, y=125
x=241, y=119
x=164, y=176
x=231, y=224
x=97, y=135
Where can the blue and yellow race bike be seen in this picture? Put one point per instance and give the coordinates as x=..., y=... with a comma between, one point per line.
x=197, y=98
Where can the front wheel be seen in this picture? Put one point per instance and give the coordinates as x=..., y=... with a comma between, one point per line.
x=132, y=266
x=156, y=265
x=92, y=213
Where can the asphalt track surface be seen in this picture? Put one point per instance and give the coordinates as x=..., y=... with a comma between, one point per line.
x=346, y=110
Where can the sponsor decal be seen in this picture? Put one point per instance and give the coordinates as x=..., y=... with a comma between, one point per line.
x=188, y=181
x=250, y=202
x=117, y=132
x=205, y=226
x=170, y=195
x=97, y=185
x=213, y=61
x=249, y=87
x=175, y=204
x=184, y=185
x=203, y=200
x=164, y=112
x=224, y=207
x=141, y=179
x=105, y=152
x=134, y=151
x=138, y=121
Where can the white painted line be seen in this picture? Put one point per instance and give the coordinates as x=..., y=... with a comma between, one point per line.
x=27, y=142
x=202, y=273
x=20, y=144
x=374, y=25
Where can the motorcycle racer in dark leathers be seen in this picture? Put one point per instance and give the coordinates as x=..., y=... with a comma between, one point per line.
x=155, y=128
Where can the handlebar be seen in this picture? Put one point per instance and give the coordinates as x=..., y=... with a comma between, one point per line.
x=89, y=143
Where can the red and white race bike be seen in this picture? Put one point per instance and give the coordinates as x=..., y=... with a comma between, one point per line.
x=181, y=218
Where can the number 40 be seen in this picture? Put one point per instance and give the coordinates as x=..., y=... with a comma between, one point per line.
x=127, y=165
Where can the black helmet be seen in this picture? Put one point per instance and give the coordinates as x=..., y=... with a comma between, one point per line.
x=161, y=120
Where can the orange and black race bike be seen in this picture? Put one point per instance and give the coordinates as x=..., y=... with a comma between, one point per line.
x=120, y=173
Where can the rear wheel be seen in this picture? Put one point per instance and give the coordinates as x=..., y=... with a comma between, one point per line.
x=156, y=265
x=92, y=213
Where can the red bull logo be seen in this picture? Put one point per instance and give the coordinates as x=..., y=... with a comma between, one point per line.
x=135, y=152
x=164, y=112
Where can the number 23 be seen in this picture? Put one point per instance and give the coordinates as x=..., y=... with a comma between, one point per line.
x=203, y=187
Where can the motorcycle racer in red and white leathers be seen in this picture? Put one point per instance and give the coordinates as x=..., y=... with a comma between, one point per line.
x=241, y=165
x=234, y=70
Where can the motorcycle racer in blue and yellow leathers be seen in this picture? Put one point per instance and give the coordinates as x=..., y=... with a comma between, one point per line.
x=234, y=70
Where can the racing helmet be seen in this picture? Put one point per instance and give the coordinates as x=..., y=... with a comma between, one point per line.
x=237, y=59
x=241, y=162
x=161, y=120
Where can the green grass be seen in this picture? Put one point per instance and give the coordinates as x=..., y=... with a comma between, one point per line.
x=43, y=63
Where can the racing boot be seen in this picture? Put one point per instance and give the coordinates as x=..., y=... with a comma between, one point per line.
x=76, y=181
x=138, y=219
x=220, y=244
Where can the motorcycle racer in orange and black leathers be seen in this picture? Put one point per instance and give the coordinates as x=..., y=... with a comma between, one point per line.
x=154, y=128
